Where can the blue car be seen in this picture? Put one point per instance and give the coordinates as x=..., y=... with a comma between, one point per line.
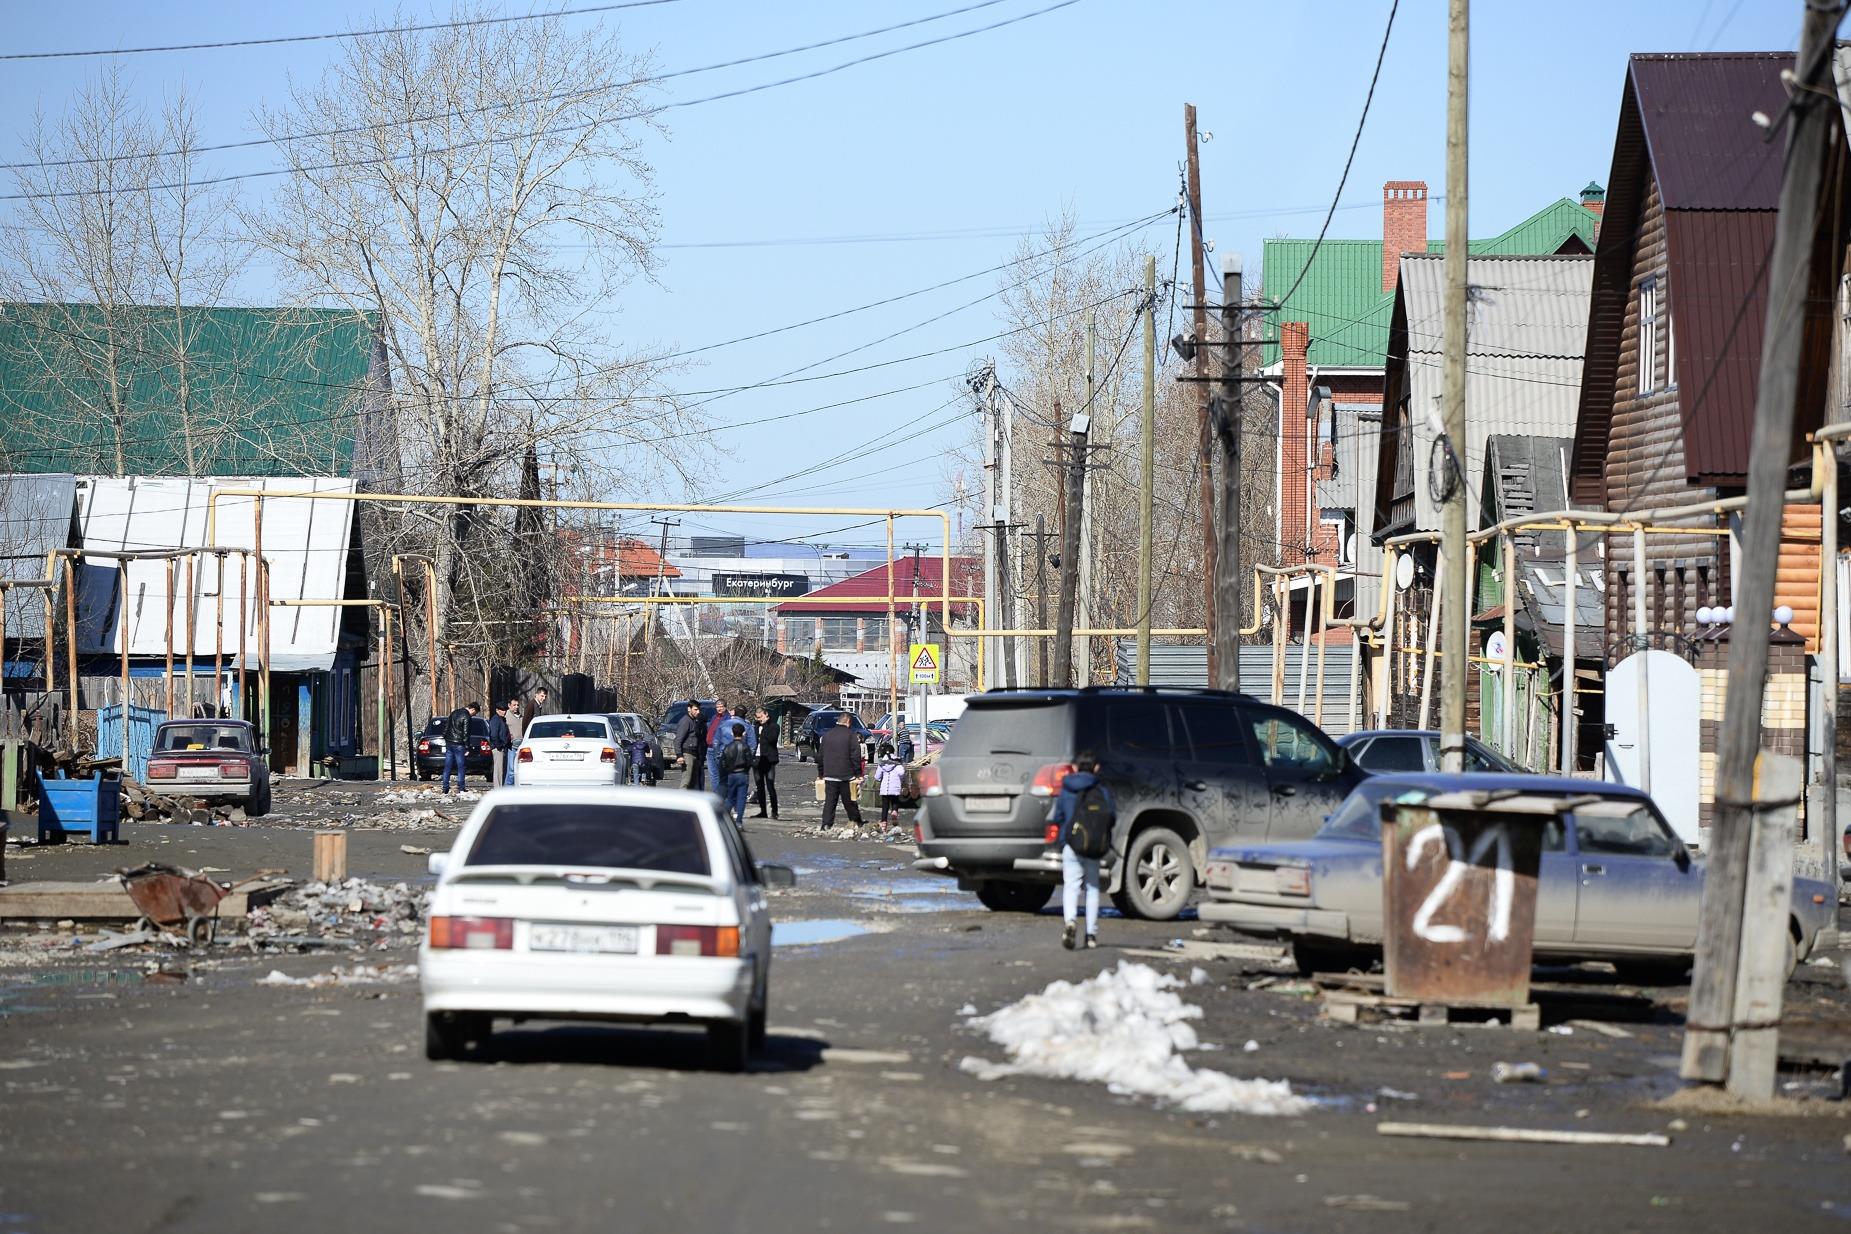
x=1616, y=884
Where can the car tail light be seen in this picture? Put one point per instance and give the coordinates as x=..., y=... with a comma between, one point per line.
x=525, y=756
x=161, y=771
x=697, y=940
x=424, y=747
x=234, y=771
x=918, y=833
x=1292, y=881
x=484, y=747
x=1052, y=833
x=472, y=933
x=1048, y=779
x=930, y=785
x=607, y=755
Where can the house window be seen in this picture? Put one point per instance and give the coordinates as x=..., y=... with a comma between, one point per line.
x=838, y=633
x=1648, y=336
x=1670, y=346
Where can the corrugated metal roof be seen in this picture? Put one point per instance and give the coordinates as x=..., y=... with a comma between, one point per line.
x=273, y=391
x=306, y=543
x=854, y=592
x=1186, y=665
x=1698, y=111
x=1519, y=305
x=36, y=516
x=1545, y=232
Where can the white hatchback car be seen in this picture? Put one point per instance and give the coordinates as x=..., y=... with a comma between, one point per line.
x=569, y=749
x=619, y=904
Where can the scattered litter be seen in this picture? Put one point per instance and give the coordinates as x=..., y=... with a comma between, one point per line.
x=1560, y=1030
x=1395, y=1094
x=1252, y=1047
x=833, y=1054
x=1605, y=1030
x=1123, y=1028
x=1516, y=1073
x=1520, y=1135
x=374, y=912
x=113, y=942
x=414, y=850
x=1366, y=1204
x=358, y=974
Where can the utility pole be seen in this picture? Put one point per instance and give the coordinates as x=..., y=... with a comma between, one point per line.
x=1147, y=466
x=1723, y=964
x=1206, y=495
x=1005, y=506
x=1226, y=658
x=992, y=477
x=1458, y=615
x=1083, y=610
x=1070, y=549
x=655, y=585
x=922, y=618
x=1041, y=599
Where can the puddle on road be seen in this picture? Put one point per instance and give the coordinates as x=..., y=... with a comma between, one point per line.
x=808, y=933
x=881, y=881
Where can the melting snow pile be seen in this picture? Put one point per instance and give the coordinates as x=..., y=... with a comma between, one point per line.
x=359, y=974
x=1124, y=1029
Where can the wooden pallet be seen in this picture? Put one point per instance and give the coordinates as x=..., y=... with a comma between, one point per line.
x=108, y=901
x=1348, y=996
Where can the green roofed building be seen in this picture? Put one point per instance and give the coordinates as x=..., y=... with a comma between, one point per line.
x=151, y=391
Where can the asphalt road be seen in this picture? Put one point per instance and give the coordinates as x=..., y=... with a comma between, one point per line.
x=217, y=1103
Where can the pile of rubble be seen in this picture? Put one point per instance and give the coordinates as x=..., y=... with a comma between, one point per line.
x=355, y=912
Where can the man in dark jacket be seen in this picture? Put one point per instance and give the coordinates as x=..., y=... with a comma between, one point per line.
x=1074, y=866
x=500, y=741
x=456, y=744
x=839, y=760
x=691, y=746
x=736, y=772
x=765, y=767
x=541, y=705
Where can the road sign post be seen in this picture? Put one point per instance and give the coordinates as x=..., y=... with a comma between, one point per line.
x=925, y=663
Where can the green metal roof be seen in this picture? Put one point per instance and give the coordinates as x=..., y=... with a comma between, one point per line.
x=1342, y=298
x=267, y=391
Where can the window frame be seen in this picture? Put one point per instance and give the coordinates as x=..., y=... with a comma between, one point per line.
x=1647, y=336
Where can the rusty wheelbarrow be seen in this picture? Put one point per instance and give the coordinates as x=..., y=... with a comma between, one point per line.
x=173, y=898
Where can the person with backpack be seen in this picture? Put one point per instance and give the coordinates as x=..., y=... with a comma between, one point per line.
x=1086, y=814
x=456, y=745
x=890, y=779
x=736, y=773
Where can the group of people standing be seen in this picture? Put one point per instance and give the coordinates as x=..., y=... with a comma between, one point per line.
x=505, y=729
x=732, y=756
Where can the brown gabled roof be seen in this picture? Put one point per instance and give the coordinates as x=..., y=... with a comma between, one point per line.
x=1687, y=123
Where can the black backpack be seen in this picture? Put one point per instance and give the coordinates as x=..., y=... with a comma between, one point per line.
x=1089, y=834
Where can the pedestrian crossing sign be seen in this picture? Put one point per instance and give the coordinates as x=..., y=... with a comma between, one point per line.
x=925, y=659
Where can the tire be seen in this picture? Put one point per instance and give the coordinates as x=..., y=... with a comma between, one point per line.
x=444, y=1037
x=1013, y=897
x=1159, y=875
x=757, y=1027
x=729, y=1045
x=259, y=804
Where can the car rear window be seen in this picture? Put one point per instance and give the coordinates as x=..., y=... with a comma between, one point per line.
x=1018, y=728
x=591, y=730
x=202, y=737
x=617, y=837
x=1397, y=754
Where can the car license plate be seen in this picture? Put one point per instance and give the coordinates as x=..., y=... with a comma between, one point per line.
x=199, y=773
x=566, y=756
x=988, y=805
x=610, y=940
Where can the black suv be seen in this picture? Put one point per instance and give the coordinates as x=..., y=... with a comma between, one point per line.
x=1190, y=769
x=813, y=725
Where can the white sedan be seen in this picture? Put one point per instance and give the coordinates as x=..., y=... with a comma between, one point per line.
x=617, y=904
x=569, y=749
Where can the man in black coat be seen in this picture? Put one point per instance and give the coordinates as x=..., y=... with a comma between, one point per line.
x=500, y=741
x=456, y=745
x=765, y=768
x=691, y=746
x=839, y=761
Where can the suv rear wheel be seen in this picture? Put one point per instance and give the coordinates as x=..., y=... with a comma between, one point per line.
x=1012, y=897
x=1159, y=875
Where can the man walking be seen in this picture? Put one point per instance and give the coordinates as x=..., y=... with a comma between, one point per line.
x=765, y=766
x=456, y=745
x=517, y=729
x=1085, y=814
x=839, y=760
x=499, y=744
x=736, y=772
x=691, y=746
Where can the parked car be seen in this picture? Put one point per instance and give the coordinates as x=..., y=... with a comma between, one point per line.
x=1417, y=749
x=216, y=760
x=580, y=748
x=931, y=741
x=1615, y=882
x=609, y=903
x=477, y=759
x=1189, y=768
x=883, y=729
x=816, y=722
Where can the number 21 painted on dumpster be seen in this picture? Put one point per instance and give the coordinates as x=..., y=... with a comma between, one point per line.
x=1503, y=884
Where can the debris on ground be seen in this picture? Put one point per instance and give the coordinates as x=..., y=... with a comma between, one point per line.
x=1516, y=1073
x=353, y=909
x=340, y=975
x=1124, y=1028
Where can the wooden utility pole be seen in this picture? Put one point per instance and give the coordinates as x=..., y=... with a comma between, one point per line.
x=655, y=586
x=1714, y=1002
x=1225, y=629
x=1083, y=560
x=1070, y=548
x=1041, y=599
x=1456, y=620
x=1206, y=494
x=1147, y=467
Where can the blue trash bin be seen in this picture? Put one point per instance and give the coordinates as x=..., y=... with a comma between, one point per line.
x=91, y=806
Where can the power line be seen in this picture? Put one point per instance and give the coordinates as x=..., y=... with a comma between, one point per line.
x=343, y=34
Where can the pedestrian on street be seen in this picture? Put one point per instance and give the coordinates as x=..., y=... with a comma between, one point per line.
x=890, y=779
x=642, y=760
x=719, y=733
x=517, y=729
x=500, y=742
x=765, y=765
x=542, y=704
x=1085, y=814
x=905, y=748
x=736, y=760
x=839, y=762
x=691, y=746
x=456, y=745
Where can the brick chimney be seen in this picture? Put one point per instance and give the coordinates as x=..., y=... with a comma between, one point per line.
x=1404, y=226
x=1594, y=201
x=1294, y=499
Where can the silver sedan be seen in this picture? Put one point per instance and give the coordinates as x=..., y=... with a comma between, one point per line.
x=1616, y=884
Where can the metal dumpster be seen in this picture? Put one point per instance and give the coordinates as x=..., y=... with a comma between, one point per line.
x=90, y=806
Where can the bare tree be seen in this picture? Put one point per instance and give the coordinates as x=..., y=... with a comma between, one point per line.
x=480, y=189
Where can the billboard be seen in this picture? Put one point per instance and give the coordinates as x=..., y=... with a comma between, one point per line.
x=761, y=586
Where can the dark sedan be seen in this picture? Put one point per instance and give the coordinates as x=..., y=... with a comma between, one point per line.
x=816, y=723
x=1387, y=750
x=477, y=760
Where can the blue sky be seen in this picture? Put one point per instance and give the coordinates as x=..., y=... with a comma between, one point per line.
x=948, y=153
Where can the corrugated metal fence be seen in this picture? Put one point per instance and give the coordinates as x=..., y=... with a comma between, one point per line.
x=1187, y=665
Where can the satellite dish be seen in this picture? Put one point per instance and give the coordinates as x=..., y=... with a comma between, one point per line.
x=1349, y=547
x=1404, y=572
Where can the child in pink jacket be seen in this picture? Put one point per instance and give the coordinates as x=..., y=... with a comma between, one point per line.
x=890, y=779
